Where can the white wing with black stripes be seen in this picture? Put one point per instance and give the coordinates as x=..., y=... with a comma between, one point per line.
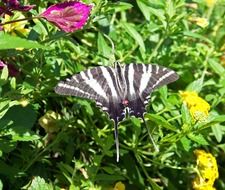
x=118, y=90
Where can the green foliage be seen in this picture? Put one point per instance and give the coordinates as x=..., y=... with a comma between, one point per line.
x=75, y=149
x=12, y=42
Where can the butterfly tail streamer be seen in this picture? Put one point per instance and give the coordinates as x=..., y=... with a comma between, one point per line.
x=150, y=136
x=116, y=141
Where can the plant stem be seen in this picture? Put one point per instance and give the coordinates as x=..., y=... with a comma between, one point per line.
x=58, y=139
x=19, y=20
x=155, y=49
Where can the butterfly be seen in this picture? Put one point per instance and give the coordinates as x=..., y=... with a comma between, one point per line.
x=119, y=90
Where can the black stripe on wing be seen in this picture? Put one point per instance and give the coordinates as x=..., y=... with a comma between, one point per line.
x=146, y=78
x=89, y=84
x=98, y=84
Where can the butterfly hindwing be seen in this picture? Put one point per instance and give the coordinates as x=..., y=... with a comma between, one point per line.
x=141, y=80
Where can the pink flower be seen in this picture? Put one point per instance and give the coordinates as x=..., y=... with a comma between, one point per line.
x=68, y=16
x=2, y=64
x=13, y=71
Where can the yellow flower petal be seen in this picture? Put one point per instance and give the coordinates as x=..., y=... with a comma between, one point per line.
x=119, y=186
x=208, y=171
x=198, y=107
x=50, y=121
x=202, y=22
x=16, y=27
x=210, y=3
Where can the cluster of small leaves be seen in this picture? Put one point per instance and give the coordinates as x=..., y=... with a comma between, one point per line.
x=77, y=150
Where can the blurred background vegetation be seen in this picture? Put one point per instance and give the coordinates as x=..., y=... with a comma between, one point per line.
x=52, y=142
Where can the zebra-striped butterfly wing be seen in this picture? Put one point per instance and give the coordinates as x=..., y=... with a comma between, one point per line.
x=118, y=90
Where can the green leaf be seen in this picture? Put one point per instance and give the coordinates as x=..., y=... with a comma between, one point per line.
x=170, y=9
x=5, y=105
x=21, y=116
x=186, y=143
x=217, y=67
x=218, y=131
x=13, y=83
x=130, y=29
x=4, y=76
x=186, y=116
x=154, y=184
x=212, y=120
x=87, y=106
x=1, y=185
x=39, y=183
x=23, y=136
x=144, y=9
x=12, y=42
x=120, y=6
x=195, y=85
x=104, y=49
x=160, y=121
x=197, y=36
x=7, y=146
x=23, y=119
x=8, y=170
x=198, y=139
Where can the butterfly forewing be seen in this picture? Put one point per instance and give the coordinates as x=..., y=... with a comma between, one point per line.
x=98, y=84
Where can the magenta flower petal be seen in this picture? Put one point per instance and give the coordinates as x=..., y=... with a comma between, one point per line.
x=11, y=2
x=68, y=16
x=12, y=5
x=13, y=71
x=2, y=64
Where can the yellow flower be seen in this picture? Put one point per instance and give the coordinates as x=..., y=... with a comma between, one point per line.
x=23, y=102
x=198, y=107
x=15, y=27
x=192, y=5
x=208, y=171
x=202, y=22
x=210, y=3
x=50, y=121
x=119, y=186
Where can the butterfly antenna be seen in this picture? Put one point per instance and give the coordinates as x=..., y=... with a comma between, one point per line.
x=117, y=141
x=151, y=138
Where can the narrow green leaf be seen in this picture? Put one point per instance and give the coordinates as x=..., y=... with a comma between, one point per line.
x=160, y=121
x=159, y=13
x=154, y=184
x=144, y=9
x=120, y=6
x=23, y=137
x=104, y=49
x=198, y=139
x=218, y=68
x=186, y=117
x=11, y=42
x=13, y=83
x=5, y=73
x=1, y=185
x=130, y=29
x=197, y=36
x=170, y=9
